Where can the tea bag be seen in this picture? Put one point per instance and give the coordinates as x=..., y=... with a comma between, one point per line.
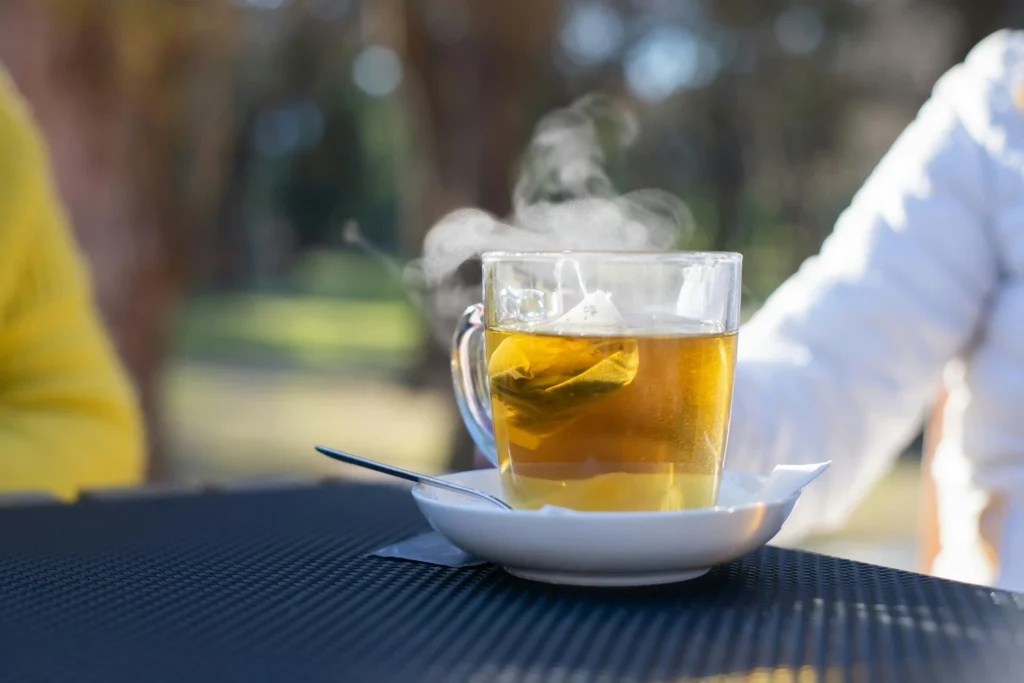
x=547, y=374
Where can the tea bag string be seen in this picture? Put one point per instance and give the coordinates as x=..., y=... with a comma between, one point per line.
x=560, y=267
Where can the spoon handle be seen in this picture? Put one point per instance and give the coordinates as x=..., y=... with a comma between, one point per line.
x=409, y=476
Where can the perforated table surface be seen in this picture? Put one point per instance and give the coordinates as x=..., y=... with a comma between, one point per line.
x=278, y=586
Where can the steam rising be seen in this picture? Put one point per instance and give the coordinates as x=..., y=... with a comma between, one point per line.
x=563, y=200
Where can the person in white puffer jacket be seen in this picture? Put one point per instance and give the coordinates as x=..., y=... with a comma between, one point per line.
x=921, y=284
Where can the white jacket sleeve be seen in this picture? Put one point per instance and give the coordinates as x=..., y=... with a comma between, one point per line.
x=842, y=361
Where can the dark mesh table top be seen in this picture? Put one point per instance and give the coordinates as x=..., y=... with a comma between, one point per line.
x=277, y=586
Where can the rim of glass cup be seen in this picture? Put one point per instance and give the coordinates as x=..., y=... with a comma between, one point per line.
x=723, y=257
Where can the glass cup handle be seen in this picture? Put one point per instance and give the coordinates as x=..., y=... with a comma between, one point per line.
x=469, y=377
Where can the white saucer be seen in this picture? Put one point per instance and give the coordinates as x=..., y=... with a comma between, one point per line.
x=605, y=548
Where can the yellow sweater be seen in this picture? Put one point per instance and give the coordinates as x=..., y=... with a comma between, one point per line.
x=68, y=416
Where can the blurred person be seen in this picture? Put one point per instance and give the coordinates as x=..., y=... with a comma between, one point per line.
x=920, y=286
x=68, y=416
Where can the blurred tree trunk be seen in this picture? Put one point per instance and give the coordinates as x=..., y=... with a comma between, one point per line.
x=479, y=78
x=726, y=163
x=106, y=82
x=928, y=542
x=981, y=18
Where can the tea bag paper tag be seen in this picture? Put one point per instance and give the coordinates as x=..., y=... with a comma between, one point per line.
x=557, y=510
x=429, y=548
x=787, y=480
x=595, y=312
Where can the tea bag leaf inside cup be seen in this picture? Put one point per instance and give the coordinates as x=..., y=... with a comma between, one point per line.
x=550, y=372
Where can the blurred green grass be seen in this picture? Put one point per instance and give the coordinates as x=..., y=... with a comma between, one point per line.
x=345, y=275
x=332, y=310
x=256, y=378
x=229, y=422
x=303, y=331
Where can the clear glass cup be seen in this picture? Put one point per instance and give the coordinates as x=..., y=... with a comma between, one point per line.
x=602, y=380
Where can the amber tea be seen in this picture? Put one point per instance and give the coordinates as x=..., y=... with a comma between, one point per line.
x=610, y=422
